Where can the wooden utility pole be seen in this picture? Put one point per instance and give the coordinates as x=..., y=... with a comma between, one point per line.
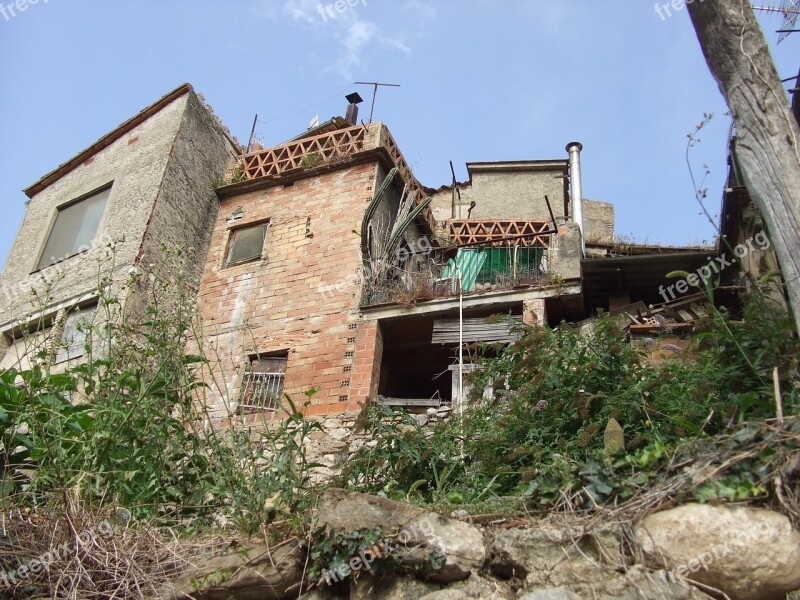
x=768, y=138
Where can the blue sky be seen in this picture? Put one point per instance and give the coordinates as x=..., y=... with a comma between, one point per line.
x=481, y=80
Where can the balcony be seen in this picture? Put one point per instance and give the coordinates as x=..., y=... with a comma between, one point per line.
x=469, y=270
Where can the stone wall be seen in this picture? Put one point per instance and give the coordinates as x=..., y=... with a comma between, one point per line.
x=162, y=196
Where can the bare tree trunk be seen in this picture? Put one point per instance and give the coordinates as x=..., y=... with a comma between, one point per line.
x=767, y=134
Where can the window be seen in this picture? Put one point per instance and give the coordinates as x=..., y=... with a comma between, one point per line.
x=75, y=333
x=247, y=244
x=262, y=386
x=74, y=228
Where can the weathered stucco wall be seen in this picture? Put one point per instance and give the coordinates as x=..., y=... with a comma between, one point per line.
x=442, y=202
x=301, y=297
x=187, y=204
x=598, y=222
x=518, y=194
x=135, y=164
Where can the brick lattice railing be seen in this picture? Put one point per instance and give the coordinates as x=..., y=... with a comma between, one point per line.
x=329, y=148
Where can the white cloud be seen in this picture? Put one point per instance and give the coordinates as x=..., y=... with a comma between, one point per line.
x=348, y=29
x=426, y=11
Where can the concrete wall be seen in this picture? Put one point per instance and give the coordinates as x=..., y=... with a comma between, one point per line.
x=303, y=296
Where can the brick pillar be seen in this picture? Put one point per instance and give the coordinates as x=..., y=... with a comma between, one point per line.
x=367, y=365
x=533, y=313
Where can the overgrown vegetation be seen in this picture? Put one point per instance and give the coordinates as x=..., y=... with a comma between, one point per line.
x=540, y=434
x=126, y=433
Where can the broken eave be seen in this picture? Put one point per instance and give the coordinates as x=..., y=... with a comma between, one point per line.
x=498, y=301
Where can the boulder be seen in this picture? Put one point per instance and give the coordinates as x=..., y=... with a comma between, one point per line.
x=417, y=538
x=259, y=573
x=747, y=553
x=550, y=555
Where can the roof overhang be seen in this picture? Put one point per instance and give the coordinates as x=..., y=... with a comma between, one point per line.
x=517, y=166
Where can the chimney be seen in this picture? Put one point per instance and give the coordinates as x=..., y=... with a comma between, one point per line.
x=575, y=190
x=352, y=109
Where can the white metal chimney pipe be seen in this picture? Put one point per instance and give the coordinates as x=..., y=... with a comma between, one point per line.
x=576, y=191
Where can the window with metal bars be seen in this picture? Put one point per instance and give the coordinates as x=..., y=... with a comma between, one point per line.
x=262, y=385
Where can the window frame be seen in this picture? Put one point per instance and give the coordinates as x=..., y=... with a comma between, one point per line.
x=233, y=231
x=38, y=266
x=270, y=403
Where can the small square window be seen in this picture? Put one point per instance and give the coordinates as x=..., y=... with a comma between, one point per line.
x=262, y=386
x=246, y=244
x=74, y=228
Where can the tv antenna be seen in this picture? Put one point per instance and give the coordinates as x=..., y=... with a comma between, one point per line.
x=375, y=85
x=790, y=9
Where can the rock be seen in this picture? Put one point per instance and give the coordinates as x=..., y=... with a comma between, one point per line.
x=476, y=587
x=259, y=573
x=748, y=553
x=332, y=424
x=552, y=556
x=614, y=438
x=421, y=536
x=389, y=588
x=421, y=420
x=551, y=594
x=638, y=583
x=431, y=412
x=339, y=434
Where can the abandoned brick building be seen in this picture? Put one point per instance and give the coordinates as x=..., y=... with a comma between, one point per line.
x=320, y=262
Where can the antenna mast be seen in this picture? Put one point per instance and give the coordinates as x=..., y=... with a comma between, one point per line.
x=375, y=85
x=790, y=9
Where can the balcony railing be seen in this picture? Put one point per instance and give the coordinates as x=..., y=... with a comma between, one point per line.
x=327, y=149
x=443, y=273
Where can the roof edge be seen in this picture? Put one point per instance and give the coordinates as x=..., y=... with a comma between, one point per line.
x=516, y=165
x=107, y=140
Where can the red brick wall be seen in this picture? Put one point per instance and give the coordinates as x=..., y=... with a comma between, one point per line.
x=303, y=296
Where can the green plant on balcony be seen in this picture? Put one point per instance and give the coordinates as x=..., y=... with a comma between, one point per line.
x=310, y=160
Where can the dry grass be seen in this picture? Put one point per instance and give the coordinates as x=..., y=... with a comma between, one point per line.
x=83, y=556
